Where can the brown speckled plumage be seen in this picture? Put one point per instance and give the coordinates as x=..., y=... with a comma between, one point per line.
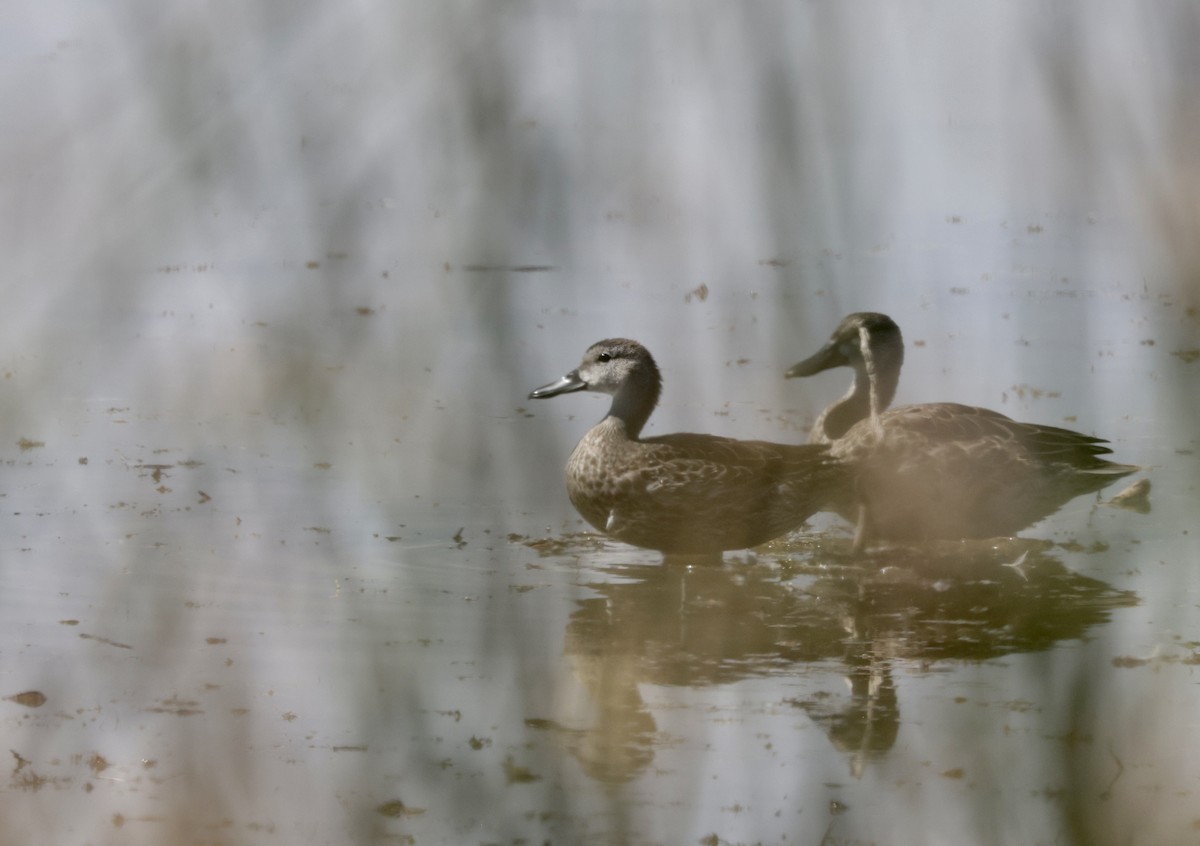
x=941, y=470
x=682, y=494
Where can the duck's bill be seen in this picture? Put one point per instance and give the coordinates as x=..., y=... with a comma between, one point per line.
x=565, y=385
x=825, y=358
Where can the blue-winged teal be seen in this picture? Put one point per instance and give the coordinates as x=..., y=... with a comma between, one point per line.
x=941, y=470
x=682, y=494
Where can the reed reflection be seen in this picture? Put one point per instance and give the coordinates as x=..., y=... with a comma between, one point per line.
x=833, y=614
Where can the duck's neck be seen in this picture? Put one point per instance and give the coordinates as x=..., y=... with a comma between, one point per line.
x=634, y=401
x=875, y=379
x=880, y=370
x=837, y=419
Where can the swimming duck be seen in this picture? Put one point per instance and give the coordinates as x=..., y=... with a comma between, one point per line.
x=940, y=470
x=681, y=494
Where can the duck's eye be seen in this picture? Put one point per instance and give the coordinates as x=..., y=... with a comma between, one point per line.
x=604, y=357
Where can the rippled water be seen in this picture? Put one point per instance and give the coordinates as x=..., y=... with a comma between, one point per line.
x=288, y=557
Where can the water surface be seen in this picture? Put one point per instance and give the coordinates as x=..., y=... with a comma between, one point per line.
x=288, y=556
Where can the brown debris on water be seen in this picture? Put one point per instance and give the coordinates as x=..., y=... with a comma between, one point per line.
x=177, y=707
x=104, y=640
x=517, y=774
x=1136, y=497
x=397, y=809
x=570, y=543
x=28, y=698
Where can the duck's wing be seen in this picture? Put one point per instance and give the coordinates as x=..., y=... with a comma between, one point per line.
x=969, y=426
x=685, y=458
x=774, y=486
x=697, y=493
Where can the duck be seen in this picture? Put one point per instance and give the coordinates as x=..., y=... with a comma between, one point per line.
x=940, y=471
x=681, y=494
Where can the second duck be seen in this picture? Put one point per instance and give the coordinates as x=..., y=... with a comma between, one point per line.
x=940, y=470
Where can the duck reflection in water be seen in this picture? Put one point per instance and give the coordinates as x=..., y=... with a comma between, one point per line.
x=682, y=494
x=940, y=470
x=839, y=633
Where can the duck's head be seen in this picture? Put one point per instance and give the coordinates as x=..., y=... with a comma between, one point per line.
x=866, y=340
x=871, y=344
x=619, y=367
x=607, y=367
